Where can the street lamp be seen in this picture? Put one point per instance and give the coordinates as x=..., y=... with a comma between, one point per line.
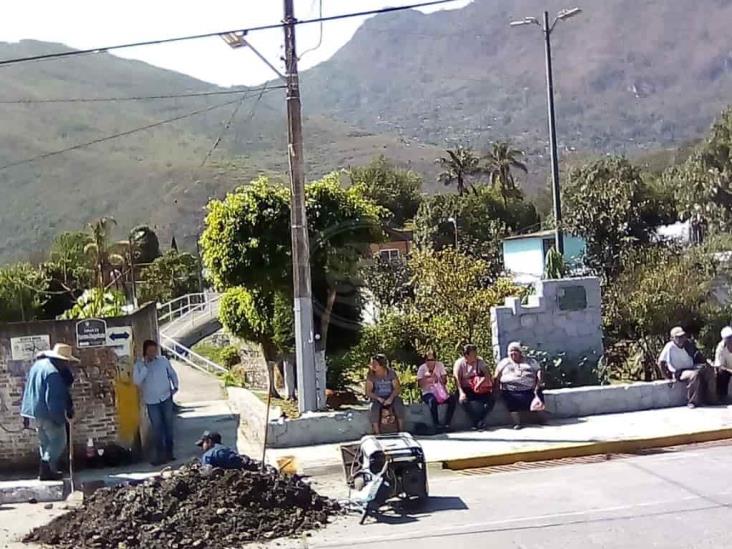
x=548, y=29
x=453, y=221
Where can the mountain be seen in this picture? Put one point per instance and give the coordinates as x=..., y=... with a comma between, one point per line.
x=156, y=176
x=629, y=74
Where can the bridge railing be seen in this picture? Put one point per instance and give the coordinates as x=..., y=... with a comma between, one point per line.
x=190, y=357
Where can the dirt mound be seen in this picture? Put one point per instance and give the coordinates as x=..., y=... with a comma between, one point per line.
x=191, y=508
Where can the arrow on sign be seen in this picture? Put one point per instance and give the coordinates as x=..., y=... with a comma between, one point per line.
x=119, y=335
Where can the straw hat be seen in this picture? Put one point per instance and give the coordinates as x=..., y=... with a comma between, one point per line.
x=60, y=351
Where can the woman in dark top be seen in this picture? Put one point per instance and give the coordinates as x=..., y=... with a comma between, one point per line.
x=382, y=388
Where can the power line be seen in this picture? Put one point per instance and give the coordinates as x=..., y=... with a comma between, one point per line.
x=271, y=26
x=320, y=38
x=231, y=119
x=115, y=136
x=133, y=98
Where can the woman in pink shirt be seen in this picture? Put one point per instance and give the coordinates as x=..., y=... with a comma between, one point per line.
x=432, y=379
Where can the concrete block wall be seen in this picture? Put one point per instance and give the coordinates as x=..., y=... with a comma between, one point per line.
x=543, y=325
x=95, y=390
x=347, y=426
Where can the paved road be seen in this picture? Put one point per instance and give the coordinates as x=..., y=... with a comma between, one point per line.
x=675, y=500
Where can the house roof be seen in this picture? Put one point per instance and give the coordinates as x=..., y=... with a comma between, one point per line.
x=397, y=235
x=538, y=234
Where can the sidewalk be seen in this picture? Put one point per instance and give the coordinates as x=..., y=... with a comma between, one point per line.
x=610, y=433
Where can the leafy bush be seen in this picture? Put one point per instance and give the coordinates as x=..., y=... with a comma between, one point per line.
x=96, y=303
x=560, y=373
x=229, y=356
x=407, y=374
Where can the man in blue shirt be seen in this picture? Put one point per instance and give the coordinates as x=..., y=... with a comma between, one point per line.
x=47, y=400
x=215, y=454
x=158, y=382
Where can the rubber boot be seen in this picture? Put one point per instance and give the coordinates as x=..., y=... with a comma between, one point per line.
x=45, y=473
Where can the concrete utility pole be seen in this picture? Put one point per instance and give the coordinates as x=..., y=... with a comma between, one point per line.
x=548, y=28
x=307, y=391
x=556, y=193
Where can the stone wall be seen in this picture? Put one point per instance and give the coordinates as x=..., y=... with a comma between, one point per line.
x=563, y=316
x=106, y=401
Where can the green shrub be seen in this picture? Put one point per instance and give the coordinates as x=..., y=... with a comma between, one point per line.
x=560, y=373
x=229, y=356
x=410, y=391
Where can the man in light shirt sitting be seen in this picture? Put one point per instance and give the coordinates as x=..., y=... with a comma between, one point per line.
x=682, y=361
x=723, y=364
x=158, y=382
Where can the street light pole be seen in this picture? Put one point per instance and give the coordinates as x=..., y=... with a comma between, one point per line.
x=307, y=390
x=556, y=193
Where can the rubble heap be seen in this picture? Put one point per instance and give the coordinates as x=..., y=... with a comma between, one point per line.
x=191, y=508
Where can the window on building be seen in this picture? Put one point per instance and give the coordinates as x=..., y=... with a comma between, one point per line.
x=389, y=255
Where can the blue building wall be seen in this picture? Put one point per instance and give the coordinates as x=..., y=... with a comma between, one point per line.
x=525, y=256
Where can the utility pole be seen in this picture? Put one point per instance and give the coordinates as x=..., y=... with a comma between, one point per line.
x=558, y=235
x=131, y=246
x=548, y=28
x=304, y=335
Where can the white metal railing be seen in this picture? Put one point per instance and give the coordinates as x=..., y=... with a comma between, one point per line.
x=187, y=308
x=192, y=358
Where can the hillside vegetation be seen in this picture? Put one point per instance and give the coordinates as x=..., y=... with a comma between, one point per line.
x=154, y=176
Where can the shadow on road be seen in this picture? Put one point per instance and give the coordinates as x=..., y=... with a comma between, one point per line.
x=404, y=512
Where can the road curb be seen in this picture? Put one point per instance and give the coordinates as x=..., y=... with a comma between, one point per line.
x=586, y=449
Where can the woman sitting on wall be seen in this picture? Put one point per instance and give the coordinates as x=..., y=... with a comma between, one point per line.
x=520, y=380
x=382, y=388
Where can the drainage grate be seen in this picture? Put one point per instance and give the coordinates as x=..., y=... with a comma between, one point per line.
x=599, y=458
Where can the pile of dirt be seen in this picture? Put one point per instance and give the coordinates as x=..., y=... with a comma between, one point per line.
x=193, y=507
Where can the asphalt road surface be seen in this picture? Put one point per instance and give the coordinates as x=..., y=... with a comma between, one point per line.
x=669, y=500
x=672, y=499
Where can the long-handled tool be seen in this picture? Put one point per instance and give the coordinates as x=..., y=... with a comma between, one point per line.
x=70, y=422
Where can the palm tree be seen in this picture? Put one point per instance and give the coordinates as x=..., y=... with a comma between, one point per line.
x=99, y=250
x=499, y=161
x=457, y=166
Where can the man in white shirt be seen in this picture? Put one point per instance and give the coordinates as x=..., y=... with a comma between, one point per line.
x=158, y=382
x=683, y=361
x=723, y=363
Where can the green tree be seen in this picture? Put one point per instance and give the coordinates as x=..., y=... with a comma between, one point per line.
x=454, y=293
x=99, y=250
x=22, y=292
x=499, y=164
x=704, y=182
x=69, y=272
x=457, y=167
x=96, y=303
x=658, y=287
x=145, y=244
x=483, y=220
x=169, y=276
x=397, y=191
x=608, y=203
x=246, y=242
x=389, y=281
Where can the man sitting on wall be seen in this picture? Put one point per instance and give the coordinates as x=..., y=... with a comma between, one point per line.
x=682, y=361
x=47, y=400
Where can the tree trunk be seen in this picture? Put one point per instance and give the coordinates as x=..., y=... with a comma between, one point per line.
x=270, y=357
x=325, y=318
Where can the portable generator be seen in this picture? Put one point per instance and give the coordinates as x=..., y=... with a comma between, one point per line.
x=382, y=467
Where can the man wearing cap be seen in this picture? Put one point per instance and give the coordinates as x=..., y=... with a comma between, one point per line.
x=723, y=363
x=47, y=400
x=215, y=454
x=684, y=362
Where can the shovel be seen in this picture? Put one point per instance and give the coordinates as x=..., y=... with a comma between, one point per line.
x=70, y=422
